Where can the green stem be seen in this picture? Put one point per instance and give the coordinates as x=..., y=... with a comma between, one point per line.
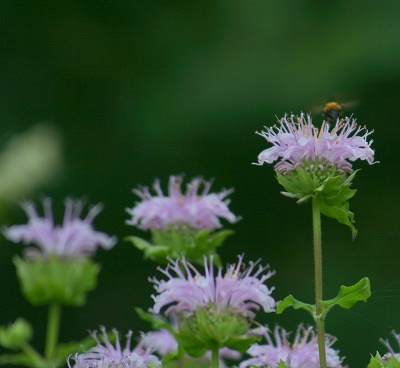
x=35, y=358
x=53, y=327
x=215, y=356
x=318, y=281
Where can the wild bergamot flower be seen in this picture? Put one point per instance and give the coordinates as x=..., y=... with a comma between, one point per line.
x=314, y=162
x=181, y=223
x=213, y=310
x=301, y=353
x=191, y=209
x=323, y=151
x=59, y=270
x=106, y=355
x=75, y=238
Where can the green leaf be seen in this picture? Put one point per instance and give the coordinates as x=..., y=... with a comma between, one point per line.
x=387, y=361
x=375, y=361
x=341, y=213
x=156, y=322
x=173, y=356
x=175, y=243
x=349, y=295
x=16, y=335
x=20, y=359
x=291, y=301
x=334, y=194
x=282, y=364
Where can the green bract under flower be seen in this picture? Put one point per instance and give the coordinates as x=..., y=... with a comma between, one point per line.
x=54, y=280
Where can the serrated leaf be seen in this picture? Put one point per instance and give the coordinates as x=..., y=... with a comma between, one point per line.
x=349, y=295
x=291, y=301
x=375, y=361
x=385, y=362
x=341, y=213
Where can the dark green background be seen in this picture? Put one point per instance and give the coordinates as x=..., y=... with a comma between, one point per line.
x=145, y=89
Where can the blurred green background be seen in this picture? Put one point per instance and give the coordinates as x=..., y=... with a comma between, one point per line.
x=145, y=89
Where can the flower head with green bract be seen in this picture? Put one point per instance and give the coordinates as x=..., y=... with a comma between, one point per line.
x=182, y=224
x=317, y=162
x=213, y=310
x=106, y=355
x=177, y=209
x=75, y=238
x=301, y=353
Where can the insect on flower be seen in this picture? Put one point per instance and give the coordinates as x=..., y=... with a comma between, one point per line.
x=334, y=110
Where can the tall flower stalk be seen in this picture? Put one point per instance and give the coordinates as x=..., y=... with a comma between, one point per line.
x=315, y=164
x=318, y=281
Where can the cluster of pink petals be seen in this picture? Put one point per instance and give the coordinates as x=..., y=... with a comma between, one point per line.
x=295, y=140
x=193, y=209
x=237, y=290
x=106, y=355
x=74, y=238
x=302, y=353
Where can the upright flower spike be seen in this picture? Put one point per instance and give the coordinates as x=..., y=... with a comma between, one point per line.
x=106, y=355
x=59, y=269
x=213, y=311
x=181, y=224
x=316, y=162
x=301, y=353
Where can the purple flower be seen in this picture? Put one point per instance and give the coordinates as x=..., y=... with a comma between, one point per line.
x=106, y=355
x=74, y=238
x=161, y=341
x=302, y=353
x=191, y=210
x=297, y=142
x=187, y=290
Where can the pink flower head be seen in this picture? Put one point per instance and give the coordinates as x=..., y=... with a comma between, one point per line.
x=74, y=238
x=297, y=142
x=106, y=355
x=193, y=210
x=187, y=290
x=302, y=353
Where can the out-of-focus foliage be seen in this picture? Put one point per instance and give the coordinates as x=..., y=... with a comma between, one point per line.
x=146, y=89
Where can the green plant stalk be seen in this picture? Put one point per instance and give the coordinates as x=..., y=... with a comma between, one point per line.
x=319, y=319
x=36, y=359
x=215, y=356
x=53, y=328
